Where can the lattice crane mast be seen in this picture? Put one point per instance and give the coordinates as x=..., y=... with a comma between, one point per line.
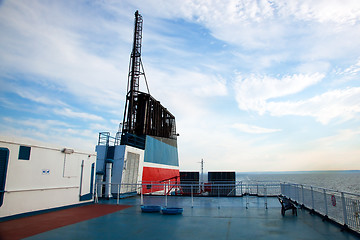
x=136, y=69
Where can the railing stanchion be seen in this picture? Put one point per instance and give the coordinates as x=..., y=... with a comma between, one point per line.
x=165, y=195
x=325, y=202
x=344, y=209
x=141, y=195
x=218, y=196
x=118, y=194
x=247, y=197
x=265, y=194
x=241, y=188
x=95, y=194
x=312, y=199
x=192, y=196
x=302, y=194
x=297, y=198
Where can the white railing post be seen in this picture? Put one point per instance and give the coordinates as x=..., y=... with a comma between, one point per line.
x=325, y=202
x=312, y=199
x=165, y=195
x=344, y=209
x=297, y=193
x=302, y=194
x=118, y=194
x=192, y=197
x=218, y=196
x=241, y=188
x=96, y=196
x=141, y=195
x=265, y=194
x=247, y=197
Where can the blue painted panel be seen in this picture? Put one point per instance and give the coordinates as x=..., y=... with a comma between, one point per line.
x=92, y=178
x=159, y=152
x=86, y=197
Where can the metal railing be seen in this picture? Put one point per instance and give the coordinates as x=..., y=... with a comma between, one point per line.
x=107, y=140
x=227, y=189
x=173, y=188
x=341, y=207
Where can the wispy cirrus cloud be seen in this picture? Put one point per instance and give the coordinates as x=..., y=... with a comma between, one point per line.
x=67, y=112
x=40, y=41
x=264, y=95
x=253, y=129
x=340, y=104
x=254, y=92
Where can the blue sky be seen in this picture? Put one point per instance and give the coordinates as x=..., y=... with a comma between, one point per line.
x=254, y=85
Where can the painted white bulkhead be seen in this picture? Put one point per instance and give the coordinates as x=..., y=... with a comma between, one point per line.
x=127, y=167
x=51, y=177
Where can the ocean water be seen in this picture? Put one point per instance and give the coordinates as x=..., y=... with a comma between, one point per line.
x=343, y=181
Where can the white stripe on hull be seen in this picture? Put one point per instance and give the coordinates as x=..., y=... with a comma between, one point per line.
x=156, y=165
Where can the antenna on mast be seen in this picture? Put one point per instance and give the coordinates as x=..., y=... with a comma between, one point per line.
x=136, y=69
x=143, y=114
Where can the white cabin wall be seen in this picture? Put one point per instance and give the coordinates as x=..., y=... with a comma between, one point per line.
x=49, y=179
x=86, y=178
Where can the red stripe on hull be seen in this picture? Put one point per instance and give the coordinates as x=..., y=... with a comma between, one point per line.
x=154, y=178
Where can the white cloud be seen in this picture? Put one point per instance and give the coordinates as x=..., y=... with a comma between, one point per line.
x=337, y=104
x=67, y=112
x=253, y=129
x=253, y=92
x=353, y=69
x=340, y=12
x=263, y=95
x=37, y=123
x=50, y=131
x=62, y=50
x=38, y=97
x=342, y=137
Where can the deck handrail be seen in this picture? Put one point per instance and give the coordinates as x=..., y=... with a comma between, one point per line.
x=341, y=207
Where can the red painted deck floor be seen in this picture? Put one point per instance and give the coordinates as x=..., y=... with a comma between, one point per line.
x=32, y=225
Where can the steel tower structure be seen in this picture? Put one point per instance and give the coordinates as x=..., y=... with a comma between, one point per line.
x=143, y=114
x=136, y=69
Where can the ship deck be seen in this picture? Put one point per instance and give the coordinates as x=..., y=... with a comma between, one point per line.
x=209, y=218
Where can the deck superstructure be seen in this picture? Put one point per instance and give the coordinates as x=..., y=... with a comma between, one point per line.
x=145, y=147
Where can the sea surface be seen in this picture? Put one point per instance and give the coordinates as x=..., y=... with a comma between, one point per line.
x=342, y=181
